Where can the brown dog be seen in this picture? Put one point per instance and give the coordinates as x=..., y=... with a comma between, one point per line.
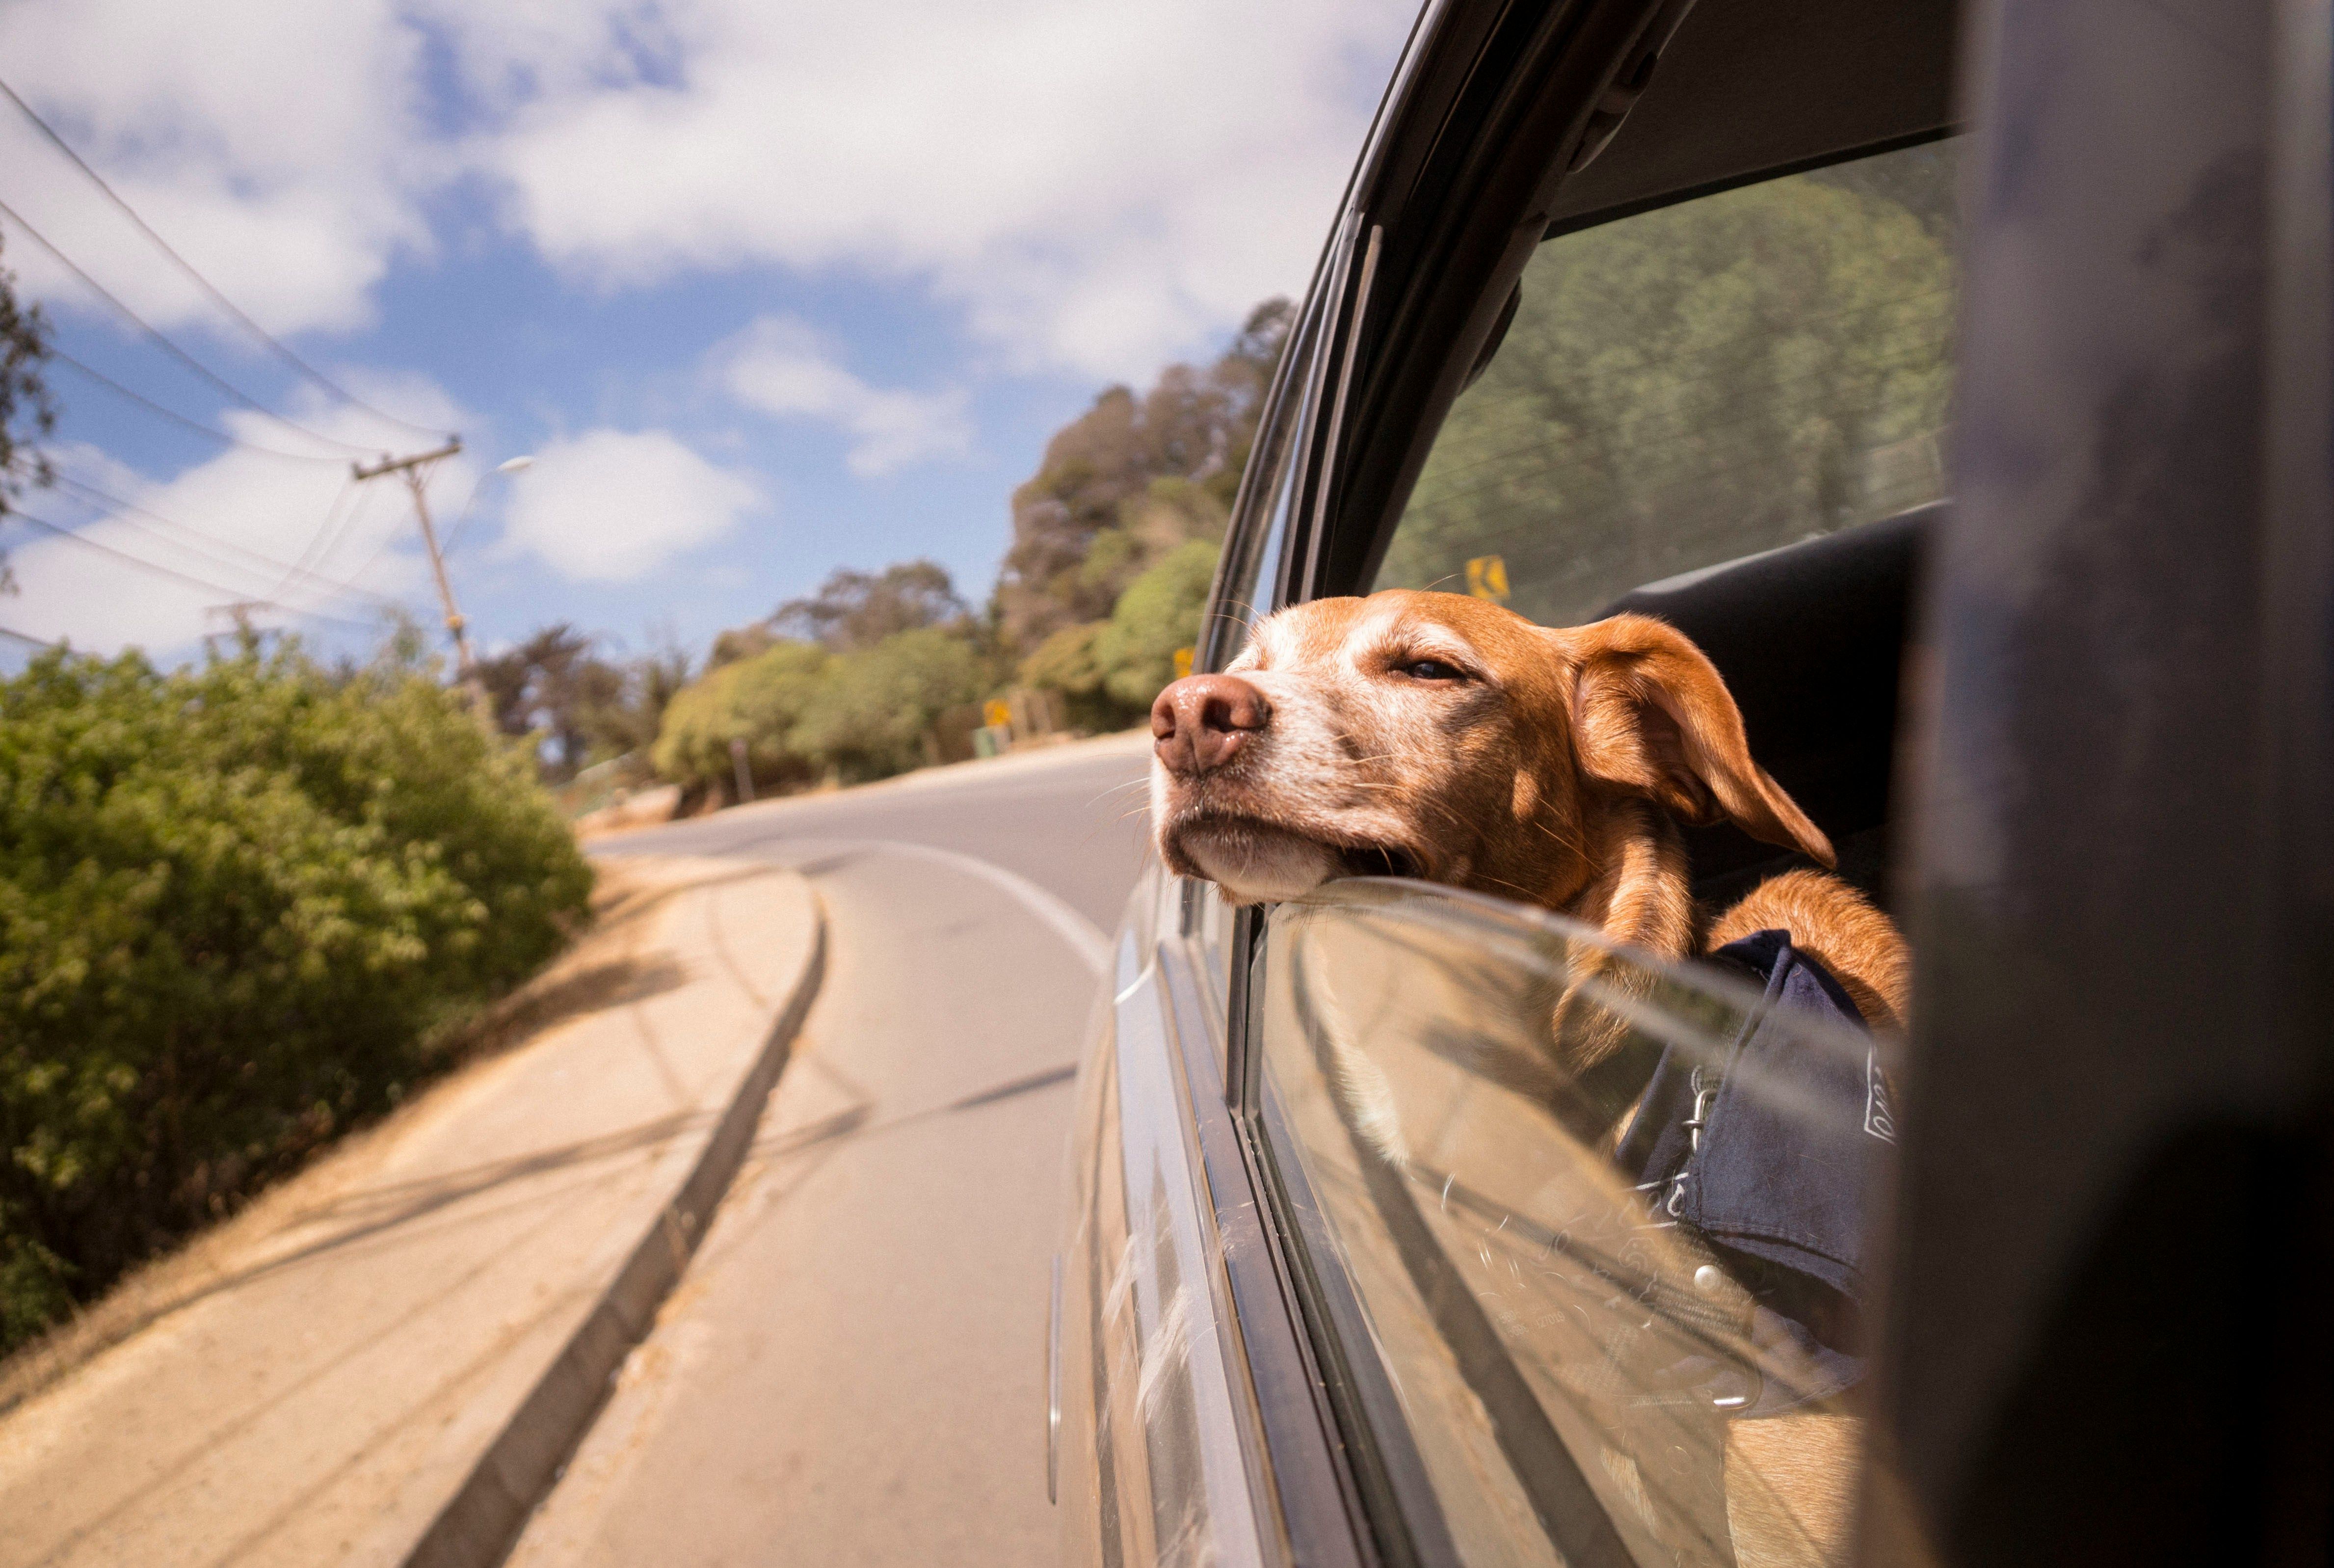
x=1438, y=736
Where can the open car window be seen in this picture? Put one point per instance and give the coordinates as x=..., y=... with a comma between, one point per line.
x=1695, y=384
x=1619, y=1312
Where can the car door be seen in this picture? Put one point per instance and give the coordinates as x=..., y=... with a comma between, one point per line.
x=1444, y=1330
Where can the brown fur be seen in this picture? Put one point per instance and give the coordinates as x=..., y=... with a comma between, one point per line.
x=1555, y=773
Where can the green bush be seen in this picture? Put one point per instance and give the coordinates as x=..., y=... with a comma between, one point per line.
x=758, y=700
x=1158, y=613
x=236, y=902
x=1109, y=670
x=872, y=715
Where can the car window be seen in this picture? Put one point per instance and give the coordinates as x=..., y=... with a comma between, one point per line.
x=1621, y=1308
x=1252, y=575
x=1699, y=383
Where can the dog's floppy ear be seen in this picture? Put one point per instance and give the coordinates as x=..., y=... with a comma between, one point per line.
x=1650, y=715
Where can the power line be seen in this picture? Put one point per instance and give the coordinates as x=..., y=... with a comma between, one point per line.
x=25, y=637
x=196, y=426
x=312, y=580
x=169, y=347
x=204, y=283
x=327, y=536
x=159, y=569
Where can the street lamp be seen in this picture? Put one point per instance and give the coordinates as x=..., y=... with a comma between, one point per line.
x=508, y=465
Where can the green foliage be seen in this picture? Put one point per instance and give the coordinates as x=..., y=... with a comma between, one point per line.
x=759, y=699
x=1109, y=670
x=1066, y=665
x=872, y=714
x=584, y=708
x=1131, y=479
x=854, y=610
x=1159, y=612
x=235, y=903
x=1695, y=384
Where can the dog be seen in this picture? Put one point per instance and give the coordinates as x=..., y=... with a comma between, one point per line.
x=1443, y=737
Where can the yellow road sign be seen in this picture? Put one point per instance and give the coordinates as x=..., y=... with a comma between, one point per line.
x=1487, y=578
x=1183, y=656
x=995, y=714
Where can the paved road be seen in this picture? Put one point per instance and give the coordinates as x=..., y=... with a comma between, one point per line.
x=853, y=1371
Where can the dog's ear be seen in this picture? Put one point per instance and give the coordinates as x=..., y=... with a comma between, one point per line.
x=1650, y=715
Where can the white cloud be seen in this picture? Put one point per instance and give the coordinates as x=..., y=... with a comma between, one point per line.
x=275, y=145
x=610, y=505
x=784, y=367
x=1094, y=187
x=1097, y=185
x=238, y=523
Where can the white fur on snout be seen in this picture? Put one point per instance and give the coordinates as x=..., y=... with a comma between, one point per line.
x=1349, y=761
x=1257, y=865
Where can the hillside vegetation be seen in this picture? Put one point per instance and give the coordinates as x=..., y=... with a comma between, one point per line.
x=1115, y=544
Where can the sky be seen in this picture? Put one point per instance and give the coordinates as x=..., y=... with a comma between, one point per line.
x=762, y=289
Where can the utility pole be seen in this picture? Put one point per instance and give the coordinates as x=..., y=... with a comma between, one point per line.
x=413, y=470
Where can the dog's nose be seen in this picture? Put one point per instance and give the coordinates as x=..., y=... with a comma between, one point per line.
x=1201, y=721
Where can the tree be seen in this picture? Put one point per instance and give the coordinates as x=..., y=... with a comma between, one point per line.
x=872, y=714
x=1108, y=671
x=1131, y=480
x=629, y=718
x=759, y=700
x=1156, y=616
x=27, y=410
x=856, y=610
x=236, y=903
x=548, y=683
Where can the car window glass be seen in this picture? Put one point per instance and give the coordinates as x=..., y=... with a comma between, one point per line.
x=1621, y=1306
x=1251, y=587
x=1698, y=383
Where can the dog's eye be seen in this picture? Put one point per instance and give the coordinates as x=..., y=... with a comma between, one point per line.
x=1432, y=669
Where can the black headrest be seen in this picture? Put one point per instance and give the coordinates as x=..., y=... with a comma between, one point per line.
x=1811, y=639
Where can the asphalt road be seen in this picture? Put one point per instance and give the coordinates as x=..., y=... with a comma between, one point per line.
x=852, y=1370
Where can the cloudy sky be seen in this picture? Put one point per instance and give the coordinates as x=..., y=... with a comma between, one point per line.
x=763, y=288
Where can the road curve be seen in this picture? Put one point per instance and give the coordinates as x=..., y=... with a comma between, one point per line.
x=852, y=1370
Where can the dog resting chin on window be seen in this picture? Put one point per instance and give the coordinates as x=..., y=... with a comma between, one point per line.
x=1438, y=736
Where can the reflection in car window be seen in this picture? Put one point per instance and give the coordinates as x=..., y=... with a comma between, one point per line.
x=1620, y=1315
x=1698, y=383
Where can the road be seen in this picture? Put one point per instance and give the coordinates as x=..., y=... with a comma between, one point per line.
x=852, y=1370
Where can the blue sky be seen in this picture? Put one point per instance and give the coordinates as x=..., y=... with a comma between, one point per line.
x=763, y=289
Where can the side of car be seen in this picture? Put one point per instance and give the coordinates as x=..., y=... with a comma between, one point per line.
x=1340, y=1284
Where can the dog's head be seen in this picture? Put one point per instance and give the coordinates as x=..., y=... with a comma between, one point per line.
x=1435, y=735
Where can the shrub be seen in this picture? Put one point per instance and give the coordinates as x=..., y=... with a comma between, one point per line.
x=872, y=715
x=1109, y=670
x=1158, y=613
x=758, y=700
x=236, y=901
